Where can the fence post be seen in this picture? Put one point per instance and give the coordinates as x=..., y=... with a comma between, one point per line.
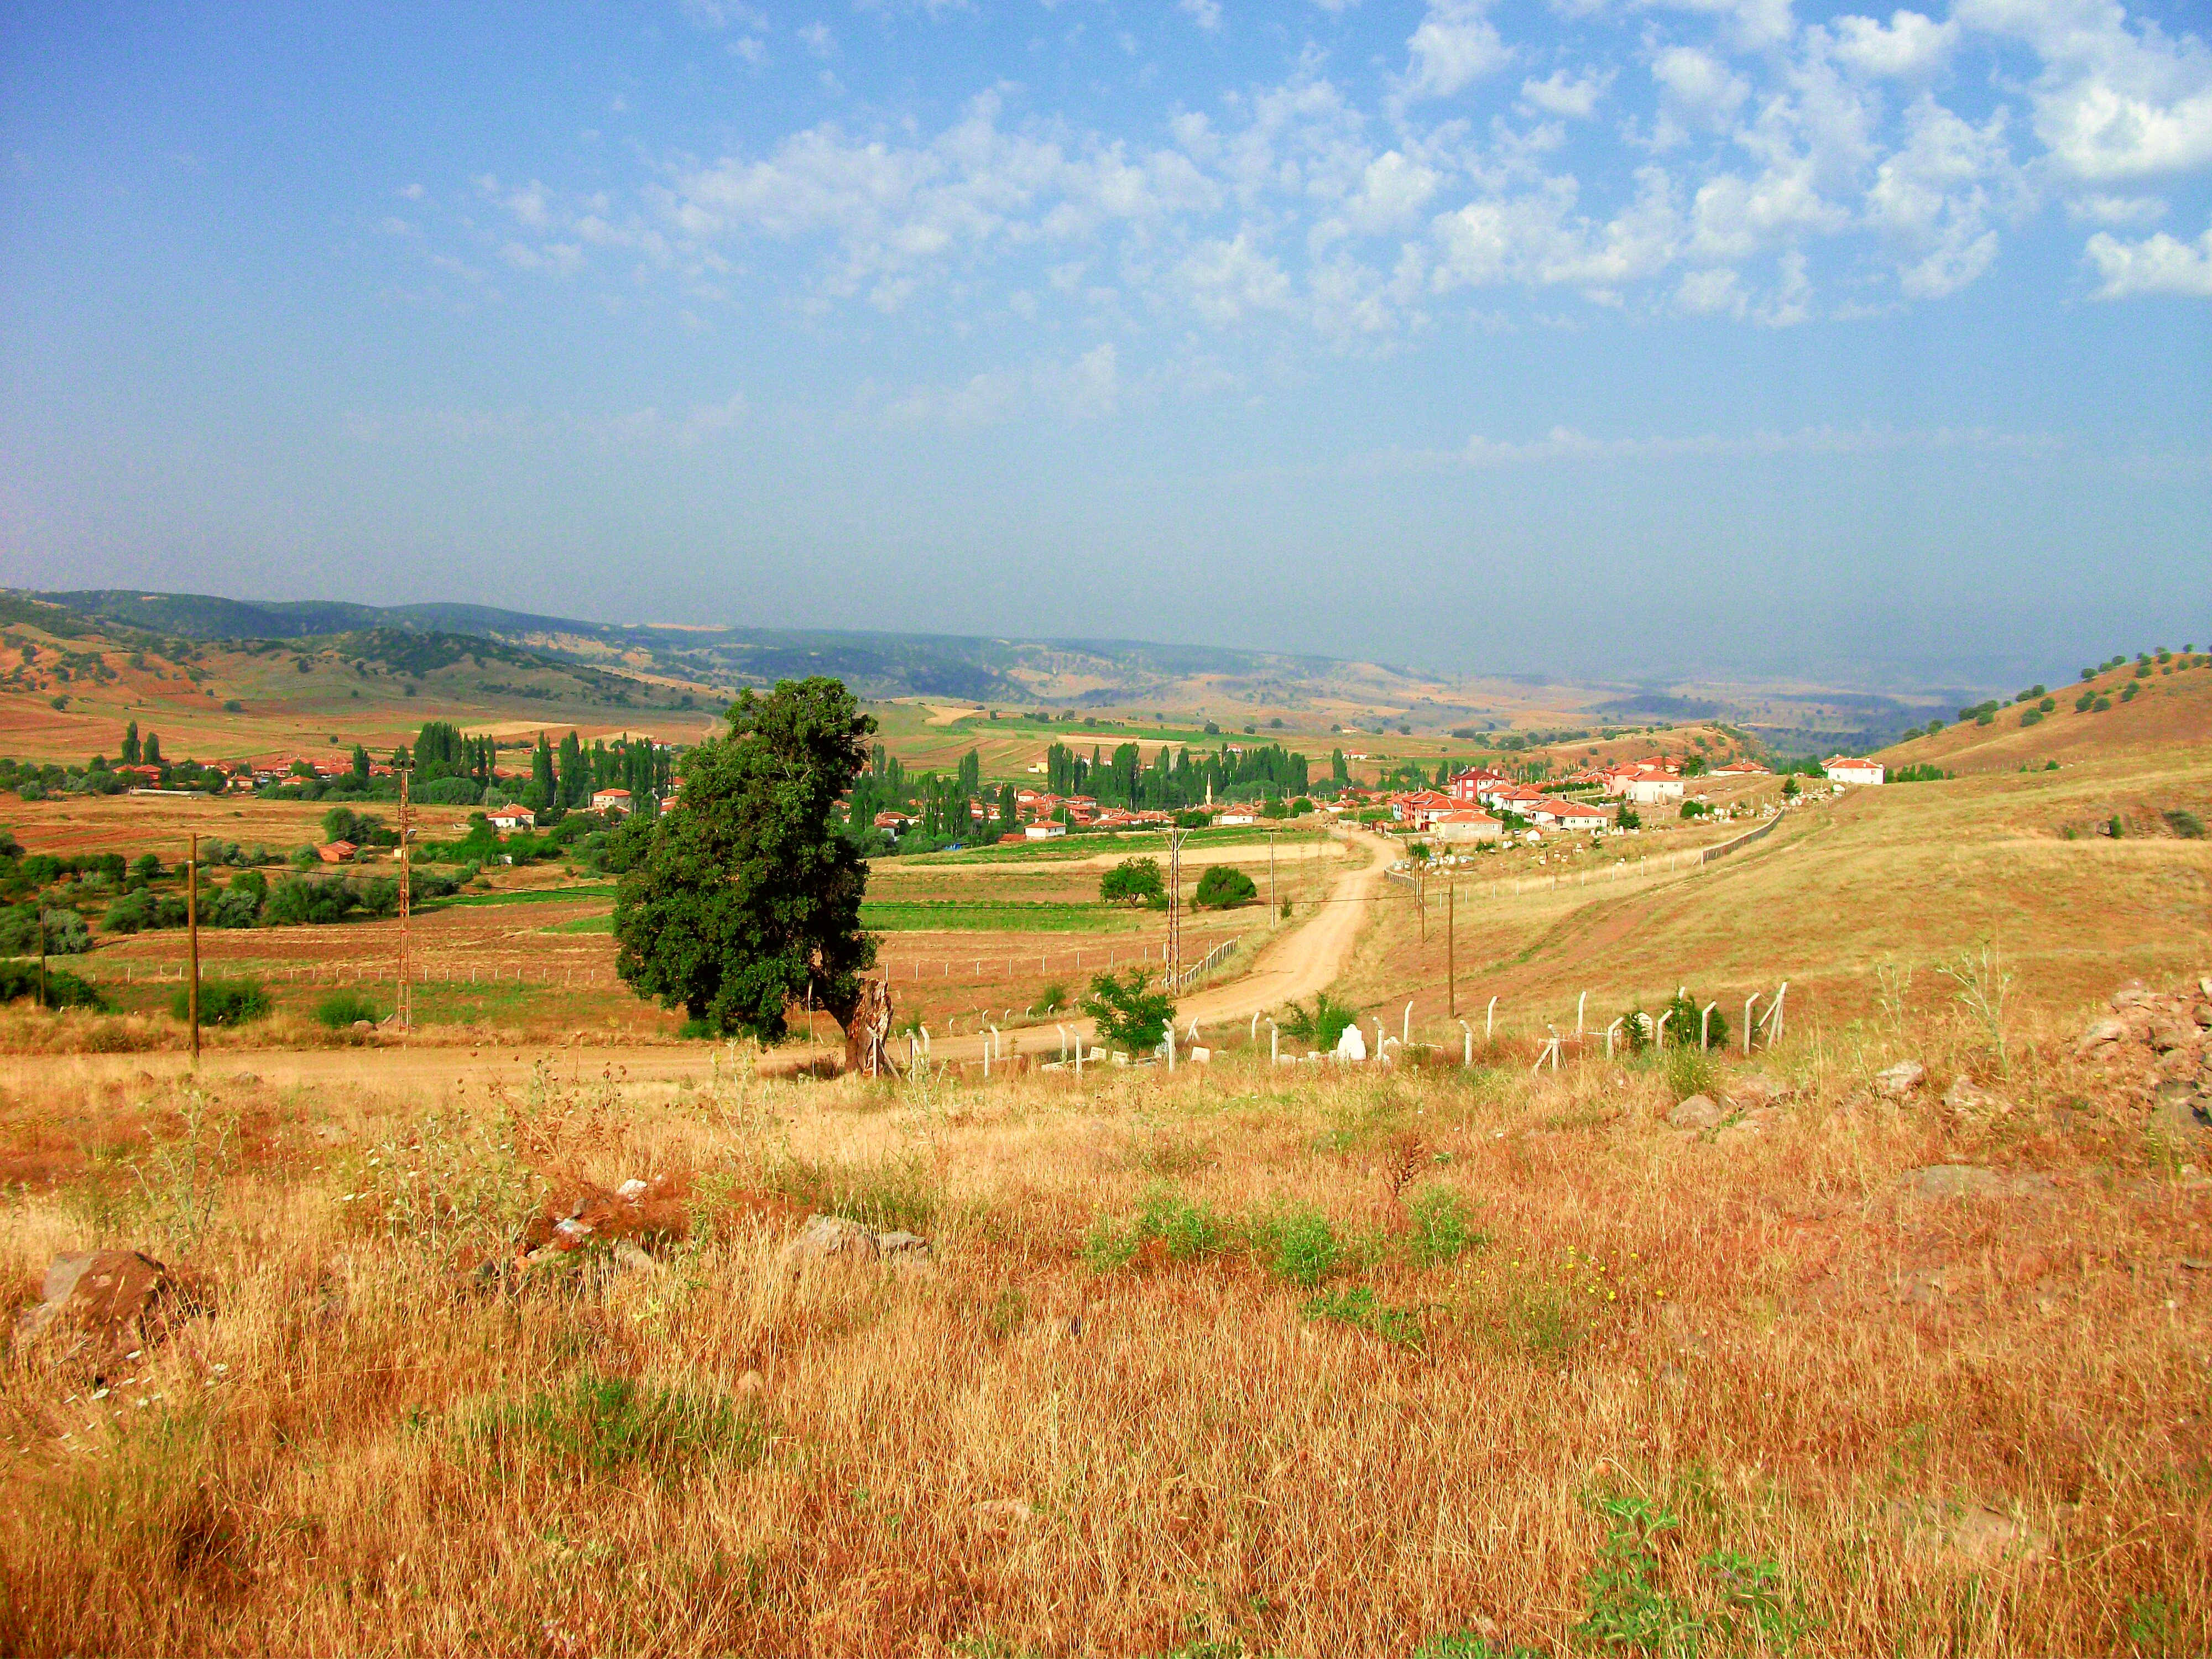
x=1706, y=1026
x=1490, y=1020
x=1467, y=1045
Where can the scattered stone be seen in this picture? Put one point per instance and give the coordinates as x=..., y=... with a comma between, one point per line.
x=1756, y=1090
x=628, y=1259
x=2134, y=994
x=1967, y=1096
x=2169, y=1034
x=633, y=1191
x=839, y=1238
x=2201, y=1014
x=1942, y=1181
x=2099, y=1032
x=109, y=1302
x=1901, y=1078
x=2184, y=1119
x=750, y=1383
x=1696, y=1114
x=332, y=1134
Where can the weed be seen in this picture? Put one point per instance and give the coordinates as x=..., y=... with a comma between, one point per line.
x=1466, y=1644
x=223, y=1001
x=1983, y=985
x=1628, y=1609
x=599, y=1424
x=885, y=1194
x=1298, y=1244
x=455, y=1185
x=1688, y=1072
x=1006, y=1314
x=2153, y=1626
x=1441, y=1231
x=1357, y=1307
x=181, y=1180
x=1319, y=1026
x=1753, y=1589
x=1110, y=1244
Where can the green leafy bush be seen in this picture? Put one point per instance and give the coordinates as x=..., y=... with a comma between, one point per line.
x=1319, y=1026
x=342, y=1009
x=1222, y=887
x=1133, y=882
x=1129, y=1013
x=1355, y=1306
x=223, y=1001
x=1298, y=1244
x=1442, y=1229
x=601, y=1424
x=141, y=911
x=63, y=989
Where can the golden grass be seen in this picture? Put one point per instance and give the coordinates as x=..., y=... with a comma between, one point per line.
x=1035, y=1450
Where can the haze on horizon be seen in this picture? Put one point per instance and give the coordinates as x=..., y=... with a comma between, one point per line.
x=1611, y=338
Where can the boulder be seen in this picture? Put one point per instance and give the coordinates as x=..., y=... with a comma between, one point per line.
x=2133, y=994
x=2168, y=1035
x=2099, y=1032
x=2182, y=1117
x=1756, y=1090
x=837, y=1238
x=1901, y=1078
x=107, y=1303
x=1697, y=1113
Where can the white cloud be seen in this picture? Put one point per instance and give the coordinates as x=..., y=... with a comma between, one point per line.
x=816, y=39
x=1207, y=14
x=1910, y=46
x=2158, y=264
x=1453, y=45
x=412, y=192
x=1752, y=24
x=2112, y=101
x=1698, y=85
x=1935, y=196
x=1571, y=98
x=1538, y=240
x=2128, y=210
x=1564, y=444
x=1392, y=190
x=1225, y=282
x=1705, y=293
x=1088, y=388
x=721, y=14
x=1791, y=301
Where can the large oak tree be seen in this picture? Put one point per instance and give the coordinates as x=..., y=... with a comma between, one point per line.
x=744, y=894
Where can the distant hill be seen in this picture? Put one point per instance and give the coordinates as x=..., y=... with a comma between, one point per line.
x=2170, y=704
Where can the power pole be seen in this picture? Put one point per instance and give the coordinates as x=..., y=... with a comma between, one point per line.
x=403, y=1005
x=1175, y=907
x=1273, y=914
x=1421, y=896
x=1451, y=969
x=42, y=910
x=192, y=934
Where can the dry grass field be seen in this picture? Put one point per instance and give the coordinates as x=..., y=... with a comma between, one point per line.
x=1230, y=1363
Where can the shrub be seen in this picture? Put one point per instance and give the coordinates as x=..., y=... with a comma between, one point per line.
x=1441, y=1232
x=66, y=934
x=142, y=910
x=299, y=900
x=2031, y=717
x=1298, y=1244
x=1357, y=1307
x=1320, y=1026
x=1223, y=888
x=1129, y=1013
x=1052, y=1000
x=599, y=1424
x=341, y=1009
x=64, y=990
x=2184, y=823
x=223, y=1001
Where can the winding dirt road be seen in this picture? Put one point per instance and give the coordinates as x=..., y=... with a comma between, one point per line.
x=1296, y=965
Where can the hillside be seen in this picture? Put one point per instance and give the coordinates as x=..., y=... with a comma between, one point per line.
x=1123, y=677
x=2170, y=704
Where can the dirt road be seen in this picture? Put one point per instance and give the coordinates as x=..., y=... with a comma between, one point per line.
x=1299, y=963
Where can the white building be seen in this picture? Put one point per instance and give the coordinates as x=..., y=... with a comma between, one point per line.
x=1464, y=828
x=1850, y=769
x=1652, y=789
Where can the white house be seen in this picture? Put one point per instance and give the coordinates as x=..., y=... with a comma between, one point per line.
x=1574, y=815
x=611, y=800
x=1462, y=828
x=1042, y=831
x=1652, y=789
x=1850, y=769
x=509, y=818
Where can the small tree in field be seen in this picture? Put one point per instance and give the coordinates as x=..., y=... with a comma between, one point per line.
x=746, y=896
x=1222, y=888
x=1133, y=882
x=1130, y=1014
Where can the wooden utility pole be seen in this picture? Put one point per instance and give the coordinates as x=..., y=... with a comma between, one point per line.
x=1175, y=907
x=42, y=910
x=192, y=935
x=1273, y=913
x=1451, y=969
x=403, y=1005
x=1421, y=894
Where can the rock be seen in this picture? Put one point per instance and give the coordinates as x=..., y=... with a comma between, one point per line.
x=111, y=1301
x=838, y=1238
x=2132, y=995
x=1697, y=1113
x=2168, y=1035
x=1941, y=1181
x=2201, y=1014
x=332, y=1134
x=632, y=1191
x=363, y=1027
x=2098, y=1032
x=1967, y=1096
x=1985, y=1537
x=1901, y=1078
x=1756, y=1090
x=628, y=1259
x=2183, y=1119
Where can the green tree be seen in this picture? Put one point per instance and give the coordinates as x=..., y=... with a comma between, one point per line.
x=1133, y=882
x=1129, y=1013
x=131, y=750
x=746, y=895
x=1223, y=887
x=539, y=795
x=1010, y=820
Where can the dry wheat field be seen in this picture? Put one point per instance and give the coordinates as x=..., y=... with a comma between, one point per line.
x=1240, y=1361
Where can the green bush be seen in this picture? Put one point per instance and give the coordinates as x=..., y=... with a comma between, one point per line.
x=140, y=911
x=1298, y=1244
x=341, y=1009
x=2184, y=823
x=1355, y=1306
x=601, y=1424
x=66, y=934
x=1129, y=1013
x=1133, y=882
x=1319, y=1026
x=223, y=1001
x=1223, y=888
x=63, y=989
x=1441, y=1231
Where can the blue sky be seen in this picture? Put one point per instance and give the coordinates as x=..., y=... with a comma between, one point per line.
x=1630, y=338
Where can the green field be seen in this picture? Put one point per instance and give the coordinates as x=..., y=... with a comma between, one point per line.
x=530, y=896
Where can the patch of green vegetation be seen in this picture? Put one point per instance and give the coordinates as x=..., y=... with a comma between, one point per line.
x=1442, y=1229
x=601, y=1424
x=223, y=1001
x=599, y=924
x=341, y=1009
x=991, y=916
x=527, y=896
x=1298, y=1244
x=888, y=1193
x=1355, y=1306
